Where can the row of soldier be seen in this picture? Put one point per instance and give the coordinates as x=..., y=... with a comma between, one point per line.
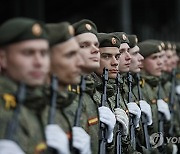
x=71, y=89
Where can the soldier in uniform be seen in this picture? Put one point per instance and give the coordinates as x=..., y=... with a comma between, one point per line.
x=66, y=64
x=24, y=54
x=86, y=36
x=109, y=50
x=152, y=89
x=124, y=68
x=135, y=68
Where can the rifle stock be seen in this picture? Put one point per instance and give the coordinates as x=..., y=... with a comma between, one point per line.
x=52, y=110
x=103, y=129
x=119, y=127
x=171, y=98
x=143, y=116
x=79, y=109
x=13, y=123
x=131, y=118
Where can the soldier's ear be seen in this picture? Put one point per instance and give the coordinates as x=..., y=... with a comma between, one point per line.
x=3, y=58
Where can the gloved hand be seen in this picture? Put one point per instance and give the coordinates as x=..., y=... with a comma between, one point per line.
x=146, y=109
x=81, y=140
x=107, y=117
x=175, y=149
x=178, y=89
x=123, y=119
x=164, y=108
x=10, y=147
x=57, y=139
x=136, y=111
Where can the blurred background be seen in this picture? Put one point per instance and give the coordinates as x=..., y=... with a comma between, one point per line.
x=148, y=19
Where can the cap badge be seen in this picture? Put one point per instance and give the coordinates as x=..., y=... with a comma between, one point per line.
x=36, y=30
x=88, y=26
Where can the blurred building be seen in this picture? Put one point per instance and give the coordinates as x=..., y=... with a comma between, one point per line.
x=158, y=19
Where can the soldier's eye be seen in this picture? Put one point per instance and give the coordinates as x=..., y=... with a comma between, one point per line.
x=117, y=56
x=82, y=45
x=105, y=56
x=71, y=54
x=27, y=52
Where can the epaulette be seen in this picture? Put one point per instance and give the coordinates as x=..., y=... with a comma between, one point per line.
x=74, y=88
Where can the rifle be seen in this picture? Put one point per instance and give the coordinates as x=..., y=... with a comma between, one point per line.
x=13, y=123
x=79, y=109
x=103, y=128
x=160, y=116
x=117, y=105
x=131, y=118
x=52, y=110
x=143, y=116
x=171, y=98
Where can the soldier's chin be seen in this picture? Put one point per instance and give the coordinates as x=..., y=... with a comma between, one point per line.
x=112, y=76
x=158, y=74
x=35, y=83
x=76, y=80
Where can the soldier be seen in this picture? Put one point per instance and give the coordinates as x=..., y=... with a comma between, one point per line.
x=24, y=54
x=86, y=36
x=66, y=64
x=109, y=50
x=135, y=67
x=154, y=95
x=124, y=68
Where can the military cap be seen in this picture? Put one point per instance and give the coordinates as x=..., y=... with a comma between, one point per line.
x=59, y=32
x=108, y=40
x=173, y=45
x=158, y=42
x=148, y=48
x=122, y=36
x=168, y=45
x=19, y=29
x=178, y=47
x=133, y=40
x=85, y=26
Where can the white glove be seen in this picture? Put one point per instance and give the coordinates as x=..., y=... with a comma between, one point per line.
x=57, y=139
x=164, y=108
x=178, y=89
x=81, y=140
x=146, y=109
x=9, y=147
x=107, y=117
x=135, y=110
x=123, y=119
x=175, y=149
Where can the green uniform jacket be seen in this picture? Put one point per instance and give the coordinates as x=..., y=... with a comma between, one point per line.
x=30, y=132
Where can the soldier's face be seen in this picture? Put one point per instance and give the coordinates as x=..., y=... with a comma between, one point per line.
x=164, y=60
x=136, y=60
x=125, y=58
x=89, y=51
x=27, y=61
x=66, y=62
x=168, y=64
x=153, y=64
x=110, y=60
x=175, y=59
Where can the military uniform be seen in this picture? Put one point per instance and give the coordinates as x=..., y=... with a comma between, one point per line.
x=29, y=131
